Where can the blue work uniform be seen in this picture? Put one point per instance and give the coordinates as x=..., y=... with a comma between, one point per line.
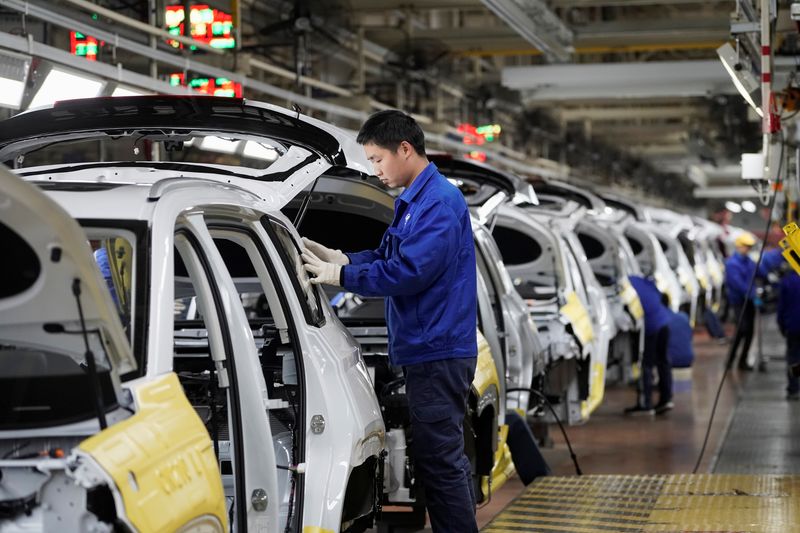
x=739, y=271
x=789, y=323
x=425, y=267
x=657, y=317
x=771, y=261
x=679, y=349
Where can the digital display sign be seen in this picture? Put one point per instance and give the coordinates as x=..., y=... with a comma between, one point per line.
x=209, y=86
x=206, y=25
x=83, y=45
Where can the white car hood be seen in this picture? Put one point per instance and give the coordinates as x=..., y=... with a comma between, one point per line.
x=63, y=254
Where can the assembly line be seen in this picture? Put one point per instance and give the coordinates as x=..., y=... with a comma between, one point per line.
x=388, y=266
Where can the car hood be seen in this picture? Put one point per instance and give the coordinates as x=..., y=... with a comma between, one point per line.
x=51, y=254
x=308, y=147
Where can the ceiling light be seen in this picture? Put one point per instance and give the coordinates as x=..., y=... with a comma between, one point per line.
x=62, y=85
x=749, y=206
x=121, y=90
x=733, y=207
x=218, y=144
x=13, y=73
x=744, y=80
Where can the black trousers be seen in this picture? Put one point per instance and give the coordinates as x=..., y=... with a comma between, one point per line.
x=437, y=400
x=655, y=355
x=744, y=336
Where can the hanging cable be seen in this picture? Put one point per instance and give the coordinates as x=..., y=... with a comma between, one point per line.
x=558, y=421
x=729, y=362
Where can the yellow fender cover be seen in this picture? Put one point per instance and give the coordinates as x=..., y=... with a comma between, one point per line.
x=579, y=317
x=162, y=461
x=596, y=390
x=485, y=377
x=503, y=467
x=485, y=370
x=631, y=300
x=701, y=278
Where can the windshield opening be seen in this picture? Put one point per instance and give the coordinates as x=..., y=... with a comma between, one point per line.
x=180, y=147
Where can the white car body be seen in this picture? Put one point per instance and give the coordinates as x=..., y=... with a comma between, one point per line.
x=340, y=439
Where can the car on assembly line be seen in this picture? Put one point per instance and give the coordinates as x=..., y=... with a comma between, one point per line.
x=351, y=212
x=70, y=432
x=609, y=259
x=545, y=273
x=634, y=223
x=180, y=198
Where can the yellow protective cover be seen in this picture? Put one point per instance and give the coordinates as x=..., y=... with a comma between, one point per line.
x=485, y=377
x=791, y=245
x=162, y=461
x=631, y=299
x=485, y=370
x=597, y=388
x=579, y=318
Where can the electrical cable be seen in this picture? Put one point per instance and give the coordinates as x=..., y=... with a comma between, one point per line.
x=572, y=455
x=729, y=362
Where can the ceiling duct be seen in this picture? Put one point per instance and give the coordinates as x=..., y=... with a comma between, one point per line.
x=536, y=23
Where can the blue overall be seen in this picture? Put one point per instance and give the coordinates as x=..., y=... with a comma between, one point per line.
x=739, y=271
x=425, y=267
x=657, y=317
x=789, y=323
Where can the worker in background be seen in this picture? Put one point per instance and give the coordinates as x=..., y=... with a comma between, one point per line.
x=739, y=273
x=425, y=267
x=657, y=317
x=789, y=324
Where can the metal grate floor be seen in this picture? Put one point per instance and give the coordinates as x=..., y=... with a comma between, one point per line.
x=764, y=435
x=667, y=503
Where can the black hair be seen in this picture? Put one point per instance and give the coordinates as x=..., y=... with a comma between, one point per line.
x=389, y=128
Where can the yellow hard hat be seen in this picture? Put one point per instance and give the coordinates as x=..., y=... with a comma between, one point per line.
x=745, y=239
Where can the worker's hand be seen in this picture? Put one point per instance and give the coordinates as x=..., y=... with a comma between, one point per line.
x=323, y=272
x=326, y=254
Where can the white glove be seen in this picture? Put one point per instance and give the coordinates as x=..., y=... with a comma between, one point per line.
x=323, y=272
x=326, y=254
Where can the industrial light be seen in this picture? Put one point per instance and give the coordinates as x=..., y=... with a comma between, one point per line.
x=128, y=91
x=749, y=206
x=733, y=207
x=62, y=85
x=742, y=78
x=13, y=73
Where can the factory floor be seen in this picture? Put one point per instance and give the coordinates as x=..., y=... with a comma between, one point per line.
x=636, y=469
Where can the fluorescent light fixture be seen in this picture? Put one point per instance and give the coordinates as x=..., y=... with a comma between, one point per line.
x=259, y=151
x=733, y=207
x=13, y=73
x=62, y=85
x=749, y=206
x=121, y=90
x=218, y=144
x=744, y=80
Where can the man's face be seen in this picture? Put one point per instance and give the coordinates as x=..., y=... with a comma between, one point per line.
x=742, y=249
x=391, y=167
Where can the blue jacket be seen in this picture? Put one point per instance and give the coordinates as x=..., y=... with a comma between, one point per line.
x=739, y=269
x=425, y=266
x=679, y=347
x=771, y=261
x=656, y=314
x=789, y=304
